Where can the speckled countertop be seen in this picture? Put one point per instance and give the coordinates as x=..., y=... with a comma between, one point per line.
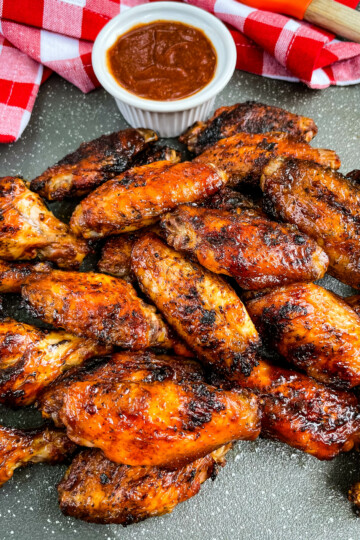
x=267, y=490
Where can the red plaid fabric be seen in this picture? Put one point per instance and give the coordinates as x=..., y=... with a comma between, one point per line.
x=37, y=36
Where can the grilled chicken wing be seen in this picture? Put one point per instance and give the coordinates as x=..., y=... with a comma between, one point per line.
x=29, y=230
x=96, y=306
x=13, y=275
x=202, y=307
x=92, y=164
x=258, y=252
x=155, y=419
x=313, y=329
x=138, y=197
x=243, y=156
x=95, y=489
x=19, y=448
x=323, y=204
x=30, y=359
x=248, y=117
x=302, y=412
x=231, y=201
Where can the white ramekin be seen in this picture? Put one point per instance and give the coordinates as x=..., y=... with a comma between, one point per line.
x=168, y=118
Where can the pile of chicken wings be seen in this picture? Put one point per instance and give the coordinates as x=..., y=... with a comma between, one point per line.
x=202, y=325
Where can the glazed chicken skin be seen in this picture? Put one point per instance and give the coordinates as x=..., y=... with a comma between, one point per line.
x=244, y=156
x=302, y=412
x=30, y=359
x=13, y=275
x=22, y=447
x=96, y=306
x=28, y=230
x=313, y=329
x=258, y=252
x=153, y=419
x=324, y=204
x=92, y=164
x=138, y=197
x=248, y=117
x=203, y=309
x=97, y=490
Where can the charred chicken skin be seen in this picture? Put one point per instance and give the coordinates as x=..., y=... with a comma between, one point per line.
x=203, y=309
x=138, y=197
x=92, y=164
x=156, y=153
x=248, y=117
x=324, y=204
x=13, y=275
x=244, y=156
x=96, y=306
x=19, y=448
x=97, y=490
x=258, y=252
x=29, y=230
x=313, y=329
x=154, y=419
x=30, y=359
x=232, y=201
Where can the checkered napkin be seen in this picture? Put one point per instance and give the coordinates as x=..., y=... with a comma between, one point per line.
x=40, y=36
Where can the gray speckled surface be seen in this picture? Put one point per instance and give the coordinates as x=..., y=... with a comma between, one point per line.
x=267, y=490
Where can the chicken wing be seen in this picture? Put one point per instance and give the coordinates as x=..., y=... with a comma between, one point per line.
x=244, y=156
x=302, y=412
x=13, y=275
x=138, y=197
x=97, y=490
x=19, y=448
x=323, y=204
x=156, y=153
x=231, y=201
x=258, y=252
x=156, y=420
x=29, y=230
x=204, y=310
x=96, y=306
x=92, y=164
x=313, y=329
x=30, y=359
x=248, y=117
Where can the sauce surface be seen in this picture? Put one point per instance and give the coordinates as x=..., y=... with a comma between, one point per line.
x=163, y=60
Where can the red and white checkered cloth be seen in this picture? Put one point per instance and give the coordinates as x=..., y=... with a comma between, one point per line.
x=58, y=34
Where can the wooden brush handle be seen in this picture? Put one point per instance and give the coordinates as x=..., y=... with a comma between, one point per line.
x=336, y=17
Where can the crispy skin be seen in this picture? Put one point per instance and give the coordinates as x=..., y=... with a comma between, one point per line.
x=302, y=412
x=244, y=156
x=157, y=419
x=92, y=164
x=116, y=255
x=156, y=153
x=249, y=117
x=323, y=204
x=202, y=307
x=313, y=329
x=29, y=230
x=13, y=275
x=354, y=302
x=96, y=306
x=30, y=359
x=138, y=197
x=19, y=448
x=354, y=176
x=96, y=490
x=231, y=201
x=258, y=252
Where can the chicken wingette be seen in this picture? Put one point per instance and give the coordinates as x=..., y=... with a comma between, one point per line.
x=28, y=230
x=203, y=309
x=248, y=117
x=146, y=415
x=30, y=359
x=258, y=252
x=96, y=306
x=313, y=329
x=97, y=490
x=13, y=275
x=138, y=197
x=22, y=447
x=92, y=164
x=243, y=156
x=324, y=204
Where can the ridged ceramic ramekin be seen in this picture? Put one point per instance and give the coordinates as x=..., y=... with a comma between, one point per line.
x=168, y=118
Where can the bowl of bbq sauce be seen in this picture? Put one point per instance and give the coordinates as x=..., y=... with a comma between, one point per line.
x=164, y=63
